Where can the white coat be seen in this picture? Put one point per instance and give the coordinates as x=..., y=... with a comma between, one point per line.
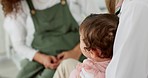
x=130, y=56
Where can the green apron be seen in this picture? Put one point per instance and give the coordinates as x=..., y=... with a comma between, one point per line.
x=55, y=31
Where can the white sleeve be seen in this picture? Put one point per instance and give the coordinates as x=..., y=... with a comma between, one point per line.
x=130, y=59
x=15, y=27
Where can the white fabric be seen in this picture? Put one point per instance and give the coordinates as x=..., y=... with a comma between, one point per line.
x=65, y=68
x=84, y=74
x=21, y=27
x=130, y=57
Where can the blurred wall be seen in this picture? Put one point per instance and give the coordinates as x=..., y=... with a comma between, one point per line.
x=2, y=34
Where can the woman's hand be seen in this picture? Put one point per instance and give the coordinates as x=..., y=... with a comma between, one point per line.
x=50, y=61
x=47, y=60
x=74, y=53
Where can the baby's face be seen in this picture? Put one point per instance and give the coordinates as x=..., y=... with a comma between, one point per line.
x=82, y=45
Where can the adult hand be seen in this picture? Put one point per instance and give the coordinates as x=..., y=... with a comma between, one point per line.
x=50, y=62
x=74, y=53
x=67, y=54
x=47, y=60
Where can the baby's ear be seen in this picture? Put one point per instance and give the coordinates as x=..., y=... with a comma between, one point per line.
x=95, y=53
x=92, y=54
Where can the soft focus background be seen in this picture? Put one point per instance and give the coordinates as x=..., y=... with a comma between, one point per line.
x=8, y=68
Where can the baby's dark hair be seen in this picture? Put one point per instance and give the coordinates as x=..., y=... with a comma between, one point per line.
x=98, y=32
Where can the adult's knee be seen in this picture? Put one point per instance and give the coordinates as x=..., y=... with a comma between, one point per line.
x=69, y=63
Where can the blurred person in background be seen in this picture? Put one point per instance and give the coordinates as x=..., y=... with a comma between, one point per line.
x=45, y=32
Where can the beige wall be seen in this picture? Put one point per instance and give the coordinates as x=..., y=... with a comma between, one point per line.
x=2, y=36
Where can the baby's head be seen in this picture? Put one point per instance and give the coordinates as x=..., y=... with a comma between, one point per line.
x=97, y=33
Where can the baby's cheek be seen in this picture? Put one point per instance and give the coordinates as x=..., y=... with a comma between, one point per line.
x=86, y=54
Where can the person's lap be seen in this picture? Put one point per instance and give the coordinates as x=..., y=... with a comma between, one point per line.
x=33, y=69
x=65, y=68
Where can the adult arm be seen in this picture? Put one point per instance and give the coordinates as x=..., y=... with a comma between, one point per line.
x=14, y=24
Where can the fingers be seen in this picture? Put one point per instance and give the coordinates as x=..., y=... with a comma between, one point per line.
x=61, y=56
x=54, y=59
x=51, y=65
x=50, y=62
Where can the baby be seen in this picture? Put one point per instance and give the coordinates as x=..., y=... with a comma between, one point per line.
x=97, y=33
